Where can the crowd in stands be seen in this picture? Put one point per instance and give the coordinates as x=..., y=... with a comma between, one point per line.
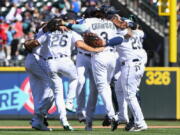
x=19, y=19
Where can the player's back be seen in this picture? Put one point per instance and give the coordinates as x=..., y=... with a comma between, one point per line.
x=131, y=47
x=58, y=42
x=102, y=27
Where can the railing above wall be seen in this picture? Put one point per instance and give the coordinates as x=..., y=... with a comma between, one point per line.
x=147, y=13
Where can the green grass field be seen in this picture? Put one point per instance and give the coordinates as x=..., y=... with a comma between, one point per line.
x=80, y=131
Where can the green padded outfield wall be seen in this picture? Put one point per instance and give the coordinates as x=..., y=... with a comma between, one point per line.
x=160, y=93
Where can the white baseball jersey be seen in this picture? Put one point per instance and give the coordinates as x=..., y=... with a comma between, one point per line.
x=58, y=42
x=103, y=65
x=131, y=74
x=37, y=49
x=39, y=81
x=102, y=27
x=131, y=48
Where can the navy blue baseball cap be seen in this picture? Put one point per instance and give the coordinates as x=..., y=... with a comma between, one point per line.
x=107, y=9
x=70, y=16
x=89, y=11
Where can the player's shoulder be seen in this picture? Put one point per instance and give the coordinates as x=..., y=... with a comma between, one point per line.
x=91, y=20
x=139, y=33
x=71, y=34
x=74, y=33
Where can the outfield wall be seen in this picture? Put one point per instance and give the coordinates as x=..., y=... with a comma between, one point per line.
x=160, y=94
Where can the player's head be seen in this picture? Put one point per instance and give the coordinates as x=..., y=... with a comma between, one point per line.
x=70, y=17
x=53, y=24
x=130, y=23
x=135, y=21
x=89, y=12
x=108, y=11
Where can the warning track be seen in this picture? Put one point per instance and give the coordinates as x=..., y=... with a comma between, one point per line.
x=28, y=127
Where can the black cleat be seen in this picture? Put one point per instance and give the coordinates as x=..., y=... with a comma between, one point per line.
x=129, y=126
x=114, y=124
x=45, y=122
x=106, y=121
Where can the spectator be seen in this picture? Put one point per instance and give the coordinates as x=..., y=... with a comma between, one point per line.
x=10, y=34
x=27, y=22
x=75, y=6
x=3, y=39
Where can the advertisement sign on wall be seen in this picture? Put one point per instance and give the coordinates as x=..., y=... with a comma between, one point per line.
x=16, y=96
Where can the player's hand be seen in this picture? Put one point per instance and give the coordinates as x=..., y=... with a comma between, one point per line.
x=99, y=49
x=104, y=43
x=63, y=22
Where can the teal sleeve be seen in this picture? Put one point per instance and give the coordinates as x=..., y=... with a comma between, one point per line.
x=80, y=28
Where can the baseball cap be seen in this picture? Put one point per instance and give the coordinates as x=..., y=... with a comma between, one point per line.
x=70, y=16
x=131, y=24
x=107, y=9
x=89, y=11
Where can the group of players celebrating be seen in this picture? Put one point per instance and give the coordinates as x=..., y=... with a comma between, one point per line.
x=120, y=59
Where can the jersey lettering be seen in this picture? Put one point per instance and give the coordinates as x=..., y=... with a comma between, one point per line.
x=59, y=40
x=136, y=43
x=96, y=26
x=104, y=35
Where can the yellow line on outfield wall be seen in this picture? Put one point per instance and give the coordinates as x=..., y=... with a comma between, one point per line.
x=162, y=68
x=12, y=69
x=147, y=68
x=178, y=95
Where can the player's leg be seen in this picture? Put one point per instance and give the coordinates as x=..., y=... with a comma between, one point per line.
x=91, y=104
x=122, y=104
x=80, y=92
x=57, y=86
x=117, y=73
x=129, y=84
x=102, y=79
x=36, y=77
x=106, y=121
x=69, y=70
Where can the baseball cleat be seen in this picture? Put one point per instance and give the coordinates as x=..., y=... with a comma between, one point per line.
x=106, y=121
x=45, y=122
x=68, y=128
x=137, y=128
x=70, y=107
x=129, y=126
x=41, y=127
x=88, y=126
x=114, y=124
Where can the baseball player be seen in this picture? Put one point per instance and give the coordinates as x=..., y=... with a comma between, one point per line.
x=84, y=69
x=50, y=54
x=103, y=65
x=93, y=94
x=39, y=83
x=56, y=51
x=132, y=58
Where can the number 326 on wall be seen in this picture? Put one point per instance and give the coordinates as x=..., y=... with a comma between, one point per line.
x=158, y=78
